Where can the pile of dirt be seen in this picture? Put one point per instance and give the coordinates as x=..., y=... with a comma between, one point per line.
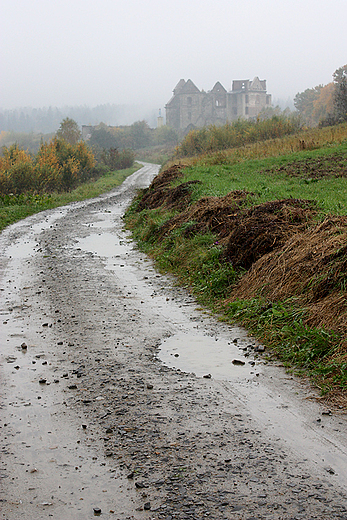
x=214, y=214
x=160, y=193
x=247, y=233
x=261, y=229
x=334, y=165
x=311, y=266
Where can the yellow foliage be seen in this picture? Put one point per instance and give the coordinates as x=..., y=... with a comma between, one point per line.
x=57, y=166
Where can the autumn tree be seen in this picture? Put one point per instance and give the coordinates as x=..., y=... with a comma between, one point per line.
x=304, y=103
x=323, y=105
x=69, y=131
x=340, y=95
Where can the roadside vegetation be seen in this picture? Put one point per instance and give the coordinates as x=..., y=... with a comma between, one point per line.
x=259, y=235
x=63, y=170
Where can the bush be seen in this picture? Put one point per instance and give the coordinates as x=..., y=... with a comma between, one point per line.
x=58, y=166
x=232, y=135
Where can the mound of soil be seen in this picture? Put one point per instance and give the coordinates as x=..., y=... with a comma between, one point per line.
x=247, y=233
x=213, y=214
x=263, y=228
x=312, y=266
x=335, y=165
x=160, y=193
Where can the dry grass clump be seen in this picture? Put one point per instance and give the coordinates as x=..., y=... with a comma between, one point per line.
x=260, y=229
x=213, y=214
x=312, y=266
x=160, y=193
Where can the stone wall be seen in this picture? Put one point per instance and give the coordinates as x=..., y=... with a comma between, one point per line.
x=191, y=108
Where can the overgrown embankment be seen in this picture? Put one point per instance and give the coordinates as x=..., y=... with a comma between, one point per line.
x=263, y=242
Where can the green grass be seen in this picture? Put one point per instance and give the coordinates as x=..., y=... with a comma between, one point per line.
x=250, y=175
x=13, y=208
x=281, y=326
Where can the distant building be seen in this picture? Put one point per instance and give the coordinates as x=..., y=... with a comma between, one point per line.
x=191, y=108
x=87, y=131
x=160, y=120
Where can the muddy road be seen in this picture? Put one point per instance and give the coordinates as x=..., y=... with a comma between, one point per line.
x=121, y=399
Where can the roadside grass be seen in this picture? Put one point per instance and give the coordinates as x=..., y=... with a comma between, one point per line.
x=199, y=261
x=308, y=351
x=14, y=208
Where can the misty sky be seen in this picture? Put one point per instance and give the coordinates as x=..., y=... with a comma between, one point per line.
x=76, y=52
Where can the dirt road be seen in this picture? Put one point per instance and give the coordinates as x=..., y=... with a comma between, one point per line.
x=105, y=410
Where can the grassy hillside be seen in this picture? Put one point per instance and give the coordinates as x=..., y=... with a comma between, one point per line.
x=259, y=234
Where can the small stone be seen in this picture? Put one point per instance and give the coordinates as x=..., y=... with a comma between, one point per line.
x=176, y=355
x=260, y=348
x=44, y=324
x=147, y=506
x=207, y=376
x=72, y=387
x=97, y=511
x=109, y=430
x=42, y=381
x=149, y=386
x=238, y=362
x=330, y=470
x=24, y=346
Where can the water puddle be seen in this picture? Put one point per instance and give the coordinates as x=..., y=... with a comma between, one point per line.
x=105, y=245
x=205, y=355
x=21, y=249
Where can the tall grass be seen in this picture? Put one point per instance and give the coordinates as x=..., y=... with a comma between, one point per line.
x=310, y=139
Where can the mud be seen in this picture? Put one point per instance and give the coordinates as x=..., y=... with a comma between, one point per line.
x=94, y=423
x=315, y=168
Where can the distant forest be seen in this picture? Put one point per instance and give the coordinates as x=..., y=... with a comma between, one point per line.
x=47, y=120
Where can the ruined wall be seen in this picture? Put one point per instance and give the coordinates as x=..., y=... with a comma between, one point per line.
x=191, y=108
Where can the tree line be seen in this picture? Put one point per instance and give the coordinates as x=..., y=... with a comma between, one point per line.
x=60, y=164
x=46, y=120
x=324, y=105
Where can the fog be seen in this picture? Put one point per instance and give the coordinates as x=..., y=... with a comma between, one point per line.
x=84, y=52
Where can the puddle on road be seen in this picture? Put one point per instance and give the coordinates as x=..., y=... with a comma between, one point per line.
x=21, y=250
x=205, y=355
x=105, y=245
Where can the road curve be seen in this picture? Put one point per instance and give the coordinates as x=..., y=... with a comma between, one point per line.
x=105, y=410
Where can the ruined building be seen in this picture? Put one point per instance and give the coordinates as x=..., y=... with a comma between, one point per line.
x=190, y=107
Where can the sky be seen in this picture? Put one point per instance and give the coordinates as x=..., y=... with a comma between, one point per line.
x=92, y=52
